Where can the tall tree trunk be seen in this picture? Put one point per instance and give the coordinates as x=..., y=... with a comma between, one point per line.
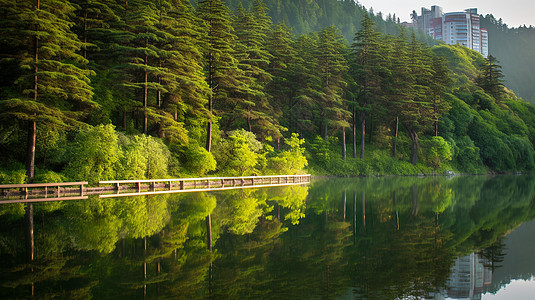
x=362, y=133
x=325, y=131
x=354, y=132
x=30, y=159
x=395, y=140
x=209, y=129
x=32, y=126
x=343, y=143
x=211, y=85
x=145, y=95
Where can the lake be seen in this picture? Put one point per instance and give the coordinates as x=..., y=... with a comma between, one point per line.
x=362, y=238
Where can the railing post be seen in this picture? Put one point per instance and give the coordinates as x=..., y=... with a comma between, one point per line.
x=138, y=187
x=182, y=184
x=194, y=184
x=81, y=189
x=222, y=183
x=58, y=191
x=208, y=183
x=117, y=186
x=170, y=185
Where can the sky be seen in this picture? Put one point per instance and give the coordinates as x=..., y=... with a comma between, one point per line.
x=513, y=12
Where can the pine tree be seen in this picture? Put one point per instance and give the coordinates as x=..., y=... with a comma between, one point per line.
x=439, y=83
x=306, y=86
x=181, y=103
x=331, y=68
x=400, y=83
x=367, y=70
x=417, y=113
x=221, y=69
x=253, y=103
x=283, y=55
x=491, y=77
x=53, y=85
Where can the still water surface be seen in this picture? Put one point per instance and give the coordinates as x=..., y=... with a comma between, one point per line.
x=370, y=238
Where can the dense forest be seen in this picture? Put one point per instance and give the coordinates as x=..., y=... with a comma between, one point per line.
x=96, y=90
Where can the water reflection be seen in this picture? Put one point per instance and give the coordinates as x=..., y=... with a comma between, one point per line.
x=371, y=238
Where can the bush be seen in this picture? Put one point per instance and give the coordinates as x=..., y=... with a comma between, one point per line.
x=198, y=160
x=291, y=161
x=93, y=155
x=238, y=155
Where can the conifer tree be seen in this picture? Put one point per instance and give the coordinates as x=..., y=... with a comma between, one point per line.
x=283, y=54
x=491, y=77
x=417, y=113
x=439, y=83
x=186, y=90
x=253, y=104
x=53, y=85
x=400, y=83
x=367, y=70
x=220, y=65
x=182, y=99
x=331, y=68
x=306, y=86
x=143, y=54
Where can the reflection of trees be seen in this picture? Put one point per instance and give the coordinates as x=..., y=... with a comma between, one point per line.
x=494, y=255
x=263, y=245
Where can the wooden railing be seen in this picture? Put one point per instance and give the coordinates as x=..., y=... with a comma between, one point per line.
x=115, y=188
x=181, y=185
x=24, y=188
x=44, y=189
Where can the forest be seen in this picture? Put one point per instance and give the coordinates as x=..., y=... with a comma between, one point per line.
x=99, y=90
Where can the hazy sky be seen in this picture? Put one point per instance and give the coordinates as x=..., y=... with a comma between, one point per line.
x=513, y=12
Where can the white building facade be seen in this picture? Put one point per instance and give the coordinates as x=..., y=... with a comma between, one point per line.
x=461, y=28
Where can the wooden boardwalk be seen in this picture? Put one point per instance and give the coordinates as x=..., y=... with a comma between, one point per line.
x=40, y=192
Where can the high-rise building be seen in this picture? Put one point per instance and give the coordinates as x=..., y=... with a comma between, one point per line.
x=461, y=28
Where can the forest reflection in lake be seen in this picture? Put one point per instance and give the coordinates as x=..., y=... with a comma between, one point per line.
x=364, y=238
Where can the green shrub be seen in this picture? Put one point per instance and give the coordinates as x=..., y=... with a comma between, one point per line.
x=290, y=161
x=93, y=155
x=198, y=160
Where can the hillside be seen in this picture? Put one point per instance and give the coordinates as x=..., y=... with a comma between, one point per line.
x=515, y=49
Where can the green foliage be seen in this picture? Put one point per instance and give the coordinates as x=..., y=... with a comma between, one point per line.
x=49, y=177
x=143, y=157
x=291, y=161
x=198, y=160
x=93, y=155
x=13, y=176
x=437, y=151
x=239, y=154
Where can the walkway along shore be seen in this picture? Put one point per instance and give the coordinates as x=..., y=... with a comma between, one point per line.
x=41, y=192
